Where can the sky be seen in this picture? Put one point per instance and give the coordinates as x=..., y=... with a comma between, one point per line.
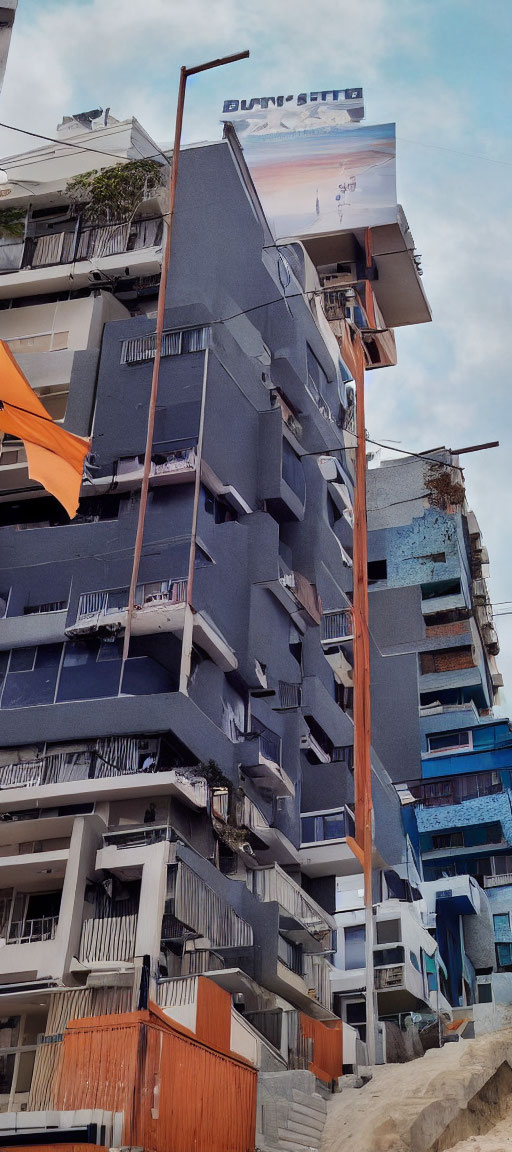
x=440, y=69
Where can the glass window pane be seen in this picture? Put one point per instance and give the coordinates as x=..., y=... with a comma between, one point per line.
x=308, y=829
x=22, y=659
x=354, y=947
x=334, y=826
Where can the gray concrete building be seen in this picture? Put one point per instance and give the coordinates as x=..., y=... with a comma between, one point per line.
x=185, y=813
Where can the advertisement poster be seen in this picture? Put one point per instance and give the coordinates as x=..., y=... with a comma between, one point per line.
x=314, y=172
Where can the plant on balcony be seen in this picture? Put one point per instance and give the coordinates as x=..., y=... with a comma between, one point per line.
x=111, y=195
x=12, y=223
x=442, y=489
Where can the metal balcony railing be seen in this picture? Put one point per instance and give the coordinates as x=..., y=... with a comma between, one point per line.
x=33, y=931
x=111, y=602
x=274, y=884
x=140, y=835
x=337, y=626
x=83, y=243
x=112, y=756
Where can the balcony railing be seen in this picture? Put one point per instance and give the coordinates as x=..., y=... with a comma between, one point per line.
x=497, y=881
x=80, y=244
x=268, y=742
x=138, y=835
x=112, y=756
x=274, y=884
x=193, y=905
x=108, y=938
x=317, y=977
x=32, y=931
x=337, y=626
x=96, y=607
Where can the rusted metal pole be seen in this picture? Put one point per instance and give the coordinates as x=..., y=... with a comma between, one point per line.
x=362, y=710
x=166, y=259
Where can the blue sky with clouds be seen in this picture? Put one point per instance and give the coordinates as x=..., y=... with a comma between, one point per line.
x=441, y=70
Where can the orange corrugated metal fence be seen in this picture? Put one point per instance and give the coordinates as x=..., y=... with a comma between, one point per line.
x=61, y=1148
x=177, y=1093
x=327, y=1036
x=213, y=1015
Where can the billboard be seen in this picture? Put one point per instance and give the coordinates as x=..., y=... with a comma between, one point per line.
x=315, y=171
x=292, y=113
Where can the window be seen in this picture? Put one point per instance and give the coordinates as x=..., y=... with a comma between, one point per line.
x=384, y=956
x=22, y=659
x=504, y=954
x=218, y=507
x=440, y=588
x=449, y=741
x=51, y=606
x=448, y=840
x=414, y=961
x=377, y=570
x=354, y=947
x=321, y=826
x=501, y=921
x=389, y=932
x=493, y=833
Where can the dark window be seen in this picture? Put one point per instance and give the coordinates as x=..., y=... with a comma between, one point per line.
x=448, y=840
x=22, y=659
x=354, y=947
x=51, y=606
x=440, y=588
x=484, y=993
x=493, y=833
x=437, y=741
x=377, y=570
x=388, y=932
x=384, y=956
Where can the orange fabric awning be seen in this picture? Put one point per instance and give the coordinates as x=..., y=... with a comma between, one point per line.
x=55, y=457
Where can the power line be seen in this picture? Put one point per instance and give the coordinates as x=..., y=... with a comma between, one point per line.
x=75, y=147
x=455, y=151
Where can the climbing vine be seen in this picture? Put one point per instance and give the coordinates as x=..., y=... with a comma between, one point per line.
x=111, y=195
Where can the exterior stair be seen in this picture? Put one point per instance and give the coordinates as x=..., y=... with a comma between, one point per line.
x=291, y=1114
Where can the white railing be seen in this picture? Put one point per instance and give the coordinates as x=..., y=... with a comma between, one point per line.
x=497, y=881
x=337, y=626
x=317, y=976
x=108, y=938
x=273, y=884
x=32, y=931
x=113, y=601
x=199, y=908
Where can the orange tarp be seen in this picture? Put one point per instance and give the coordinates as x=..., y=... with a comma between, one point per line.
x=176, y=1093
x=55, y=457
x=327, y=1036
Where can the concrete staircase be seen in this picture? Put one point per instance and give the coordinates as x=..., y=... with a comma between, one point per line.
x=291, y=1113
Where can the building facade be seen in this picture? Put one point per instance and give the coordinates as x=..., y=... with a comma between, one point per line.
x=181, y=815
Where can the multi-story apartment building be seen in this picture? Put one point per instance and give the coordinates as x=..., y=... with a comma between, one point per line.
x=183, y=812
x=432, y=621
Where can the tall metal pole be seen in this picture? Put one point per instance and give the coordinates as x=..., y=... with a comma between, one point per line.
x=362, y=710
x=166, y=259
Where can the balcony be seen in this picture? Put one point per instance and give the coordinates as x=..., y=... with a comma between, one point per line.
x=296, y=594
x=265, y=837
x=42, y=263
x=337, y=627
x=159, y=607
x=178, y=467
x=303, y=919
x=109, y=939
x=32, y=931
x=113, y=766
x=324, y=850
x=261, y=760
x=192, y=907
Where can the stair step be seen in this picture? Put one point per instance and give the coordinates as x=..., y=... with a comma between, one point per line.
x=307, y=1116
x=286, y=1135
x=289, y=1146
x=310, y=1100
x=300, y=1124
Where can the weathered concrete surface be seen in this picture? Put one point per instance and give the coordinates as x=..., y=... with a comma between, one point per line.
x=427, y=1105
